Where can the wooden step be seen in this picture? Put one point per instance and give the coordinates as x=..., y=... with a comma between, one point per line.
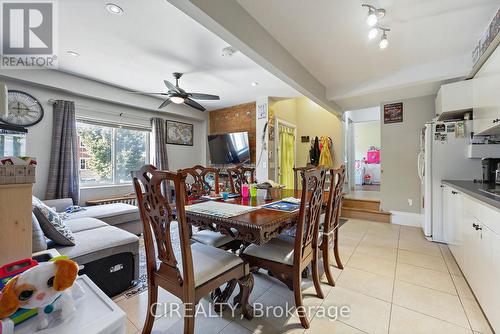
x=372, y=215
x=367, y=204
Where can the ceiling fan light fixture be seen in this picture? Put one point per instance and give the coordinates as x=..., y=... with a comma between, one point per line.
x=177, y=99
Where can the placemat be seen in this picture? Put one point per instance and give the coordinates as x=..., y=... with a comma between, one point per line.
x=220, y=209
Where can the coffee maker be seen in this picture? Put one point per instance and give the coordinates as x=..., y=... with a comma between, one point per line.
x=490, y=166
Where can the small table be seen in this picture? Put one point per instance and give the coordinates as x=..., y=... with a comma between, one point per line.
x=258, y=226
x=95, y=314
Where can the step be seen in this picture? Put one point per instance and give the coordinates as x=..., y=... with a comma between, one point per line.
x=372, y=215
x=367, y=204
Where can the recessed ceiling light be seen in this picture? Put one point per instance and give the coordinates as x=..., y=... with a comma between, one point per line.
x=73, y=53
x=255, y=83
x=114, y=9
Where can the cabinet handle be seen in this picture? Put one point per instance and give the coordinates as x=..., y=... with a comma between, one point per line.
x=475, y=225
x=478, y=228
x=496, y=121
x=454, y=192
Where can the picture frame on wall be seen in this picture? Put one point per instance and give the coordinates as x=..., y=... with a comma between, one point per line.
x=179, y=133
x=393, y=113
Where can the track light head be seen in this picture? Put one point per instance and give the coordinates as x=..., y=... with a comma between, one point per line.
x=374, y=14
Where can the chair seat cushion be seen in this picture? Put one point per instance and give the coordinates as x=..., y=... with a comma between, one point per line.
x=211, y=238
x=279, y=250
x=112, y=214
x=209, y=262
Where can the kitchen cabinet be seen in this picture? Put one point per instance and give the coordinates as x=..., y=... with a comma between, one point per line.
x=485, y=97
x=472, y=231
x=454, y=98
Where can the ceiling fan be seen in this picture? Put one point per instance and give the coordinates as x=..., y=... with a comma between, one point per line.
x=177, y=95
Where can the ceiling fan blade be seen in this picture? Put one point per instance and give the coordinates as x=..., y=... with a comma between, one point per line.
x=171, y=86
x=200, y=96
x=147, y=93
x=165, y=103
x=194, y=104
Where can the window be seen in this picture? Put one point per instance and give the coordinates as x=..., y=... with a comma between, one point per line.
x=109, y=153
x=83, y=164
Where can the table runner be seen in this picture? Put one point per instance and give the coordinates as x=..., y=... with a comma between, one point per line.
x=220, y=209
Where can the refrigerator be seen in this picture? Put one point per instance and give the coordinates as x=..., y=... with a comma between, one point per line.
x=443, y=156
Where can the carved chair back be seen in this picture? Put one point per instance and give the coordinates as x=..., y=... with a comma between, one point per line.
x=200, y=185
x=157, y=216
x=297, y=177
x=334, y=204
x=306, y=237
x=240, y=175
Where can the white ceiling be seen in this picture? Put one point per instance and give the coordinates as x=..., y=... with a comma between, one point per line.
x=152, y=39
x=430, y=41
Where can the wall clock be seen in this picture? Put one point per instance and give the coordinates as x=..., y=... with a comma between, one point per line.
x=24, y=109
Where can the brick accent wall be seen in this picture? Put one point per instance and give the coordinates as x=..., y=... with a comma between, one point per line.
x=238, y=118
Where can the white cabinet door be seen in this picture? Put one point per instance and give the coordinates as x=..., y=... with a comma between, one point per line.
x=452, y=221
x=494, y=271
x=447, y=199
x=486, y=100
x=471, y=252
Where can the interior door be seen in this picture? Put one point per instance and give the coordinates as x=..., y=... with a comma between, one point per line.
x=286, y=148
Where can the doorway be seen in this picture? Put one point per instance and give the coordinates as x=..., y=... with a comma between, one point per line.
x=286, y=152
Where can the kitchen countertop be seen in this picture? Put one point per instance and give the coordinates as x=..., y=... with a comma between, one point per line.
x=471, y=188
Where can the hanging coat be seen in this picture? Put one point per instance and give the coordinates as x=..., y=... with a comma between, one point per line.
x=325, y=158
x=315, y=152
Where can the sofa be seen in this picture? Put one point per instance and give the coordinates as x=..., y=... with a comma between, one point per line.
x=108, y=252
x=121, y=215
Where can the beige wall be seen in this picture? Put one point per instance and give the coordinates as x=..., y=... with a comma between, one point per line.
x=314, y=121
x=400, y=144
x=311, y=120
x=366, y=134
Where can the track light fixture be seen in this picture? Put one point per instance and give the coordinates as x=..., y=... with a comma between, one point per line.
x=383, y=41
x=374, y=14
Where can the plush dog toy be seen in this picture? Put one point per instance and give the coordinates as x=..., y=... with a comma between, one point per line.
x=44, y=287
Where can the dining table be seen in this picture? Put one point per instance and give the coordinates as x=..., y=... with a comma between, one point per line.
x=258, y=226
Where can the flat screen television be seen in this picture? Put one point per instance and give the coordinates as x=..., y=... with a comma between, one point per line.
x=229, y=148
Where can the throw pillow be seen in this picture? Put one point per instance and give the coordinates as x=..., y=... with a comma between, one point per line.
x=38, y=238
x=52, y=224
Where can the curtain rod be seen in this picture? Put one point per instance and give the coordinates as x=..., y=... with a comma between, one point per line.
x=109, y=112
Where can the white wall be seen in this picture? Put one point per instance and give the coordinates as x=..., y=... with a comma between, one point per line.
x=40, y=136
x=400, y=144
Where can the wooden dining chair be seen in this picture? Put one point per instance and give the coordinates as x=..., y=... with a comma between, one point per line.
x=191, y=272
x=297, y=177
x=285, y=256
x=240, y=175
x=330, y=225
x=199, y=186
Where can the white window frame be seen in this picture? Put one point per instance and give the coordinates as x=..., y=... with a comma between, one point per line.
x=114, y=127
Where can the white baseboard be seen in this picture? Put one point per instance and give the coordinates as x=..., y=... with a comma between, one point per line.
x=407, y=218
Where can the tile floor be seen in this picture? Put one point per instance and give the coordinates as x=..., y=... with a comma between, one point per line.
x=394, y=281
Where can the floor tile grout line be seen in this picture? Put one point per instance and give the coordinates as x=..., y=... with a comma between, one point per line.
x=459, y=298
x=394, y=283
x=432, y=316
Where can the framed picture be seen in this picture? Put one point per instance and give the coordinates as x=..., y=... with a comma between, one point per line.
x=393, y=113
x=179, y=133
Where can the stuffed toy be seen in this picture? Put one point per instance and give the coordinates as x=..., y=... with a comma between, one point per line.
x=48, y=287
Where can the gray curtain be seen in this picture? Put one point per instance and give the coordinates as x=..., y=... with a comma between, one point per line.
x=63, y=169
x=160, y=159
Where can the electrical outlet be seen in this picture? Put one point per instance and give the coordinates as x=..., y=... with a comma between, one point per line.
x=410, y=202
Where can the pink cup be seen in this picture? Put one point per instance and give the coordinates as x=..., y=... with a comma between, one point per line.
x=245, y=190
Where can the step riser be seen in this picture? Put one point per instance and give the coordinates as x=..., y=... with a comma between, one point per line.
x=359, y=204
x=382, y=217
